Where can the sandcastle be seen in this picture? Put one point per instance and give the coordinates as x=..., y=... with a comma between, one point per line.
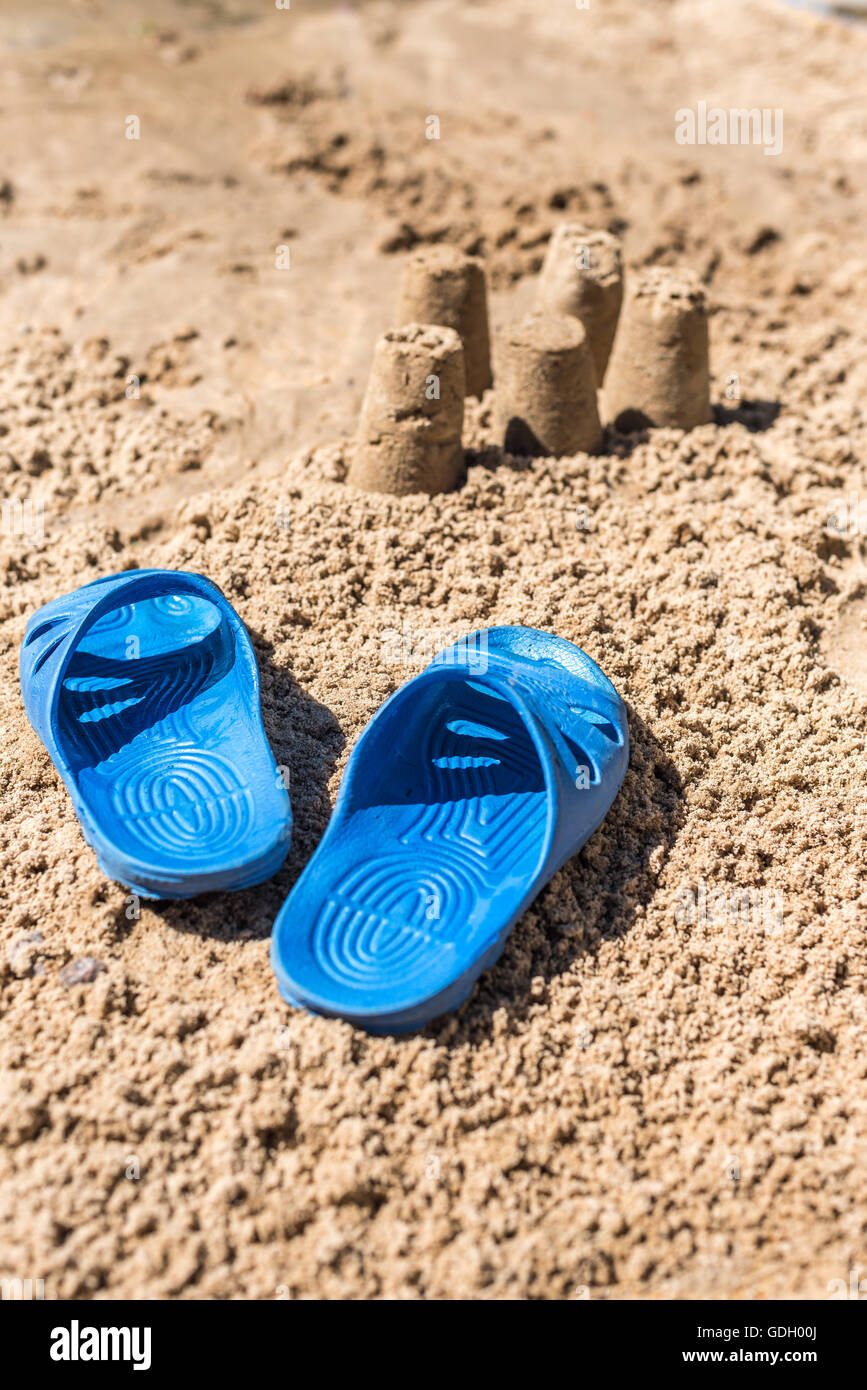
x=561, y=372
x=658, y=373
x=546, y=387
x=440, y=284
x=409, y=433
x=582, y=275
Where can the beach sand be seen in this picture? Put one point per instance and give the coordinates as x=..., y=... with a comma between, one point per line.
x=659, y=1090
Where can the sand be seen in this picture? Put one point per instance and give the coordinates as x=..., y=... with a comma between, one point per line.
x=659, y=1090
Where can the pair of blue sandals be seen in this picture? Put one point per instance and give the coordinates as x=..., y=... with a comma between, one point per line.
x=467, y=791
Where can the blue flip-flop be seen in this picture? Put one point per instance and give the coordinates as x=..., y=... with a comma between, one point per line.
x=144, y=688
x=466, y=792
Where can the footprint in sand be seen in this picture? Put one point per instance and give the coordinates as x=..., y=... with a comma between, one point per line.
x=843, y=643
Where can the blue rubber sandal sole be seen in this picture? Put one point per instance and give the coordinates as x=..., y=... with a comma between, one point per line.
x=144, y=689
x=467, y=791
